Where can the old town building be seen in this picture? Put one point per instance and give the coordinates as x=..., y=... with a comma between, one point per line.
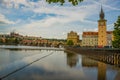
x=90, y=39
x=73, y=36
x=102, y=38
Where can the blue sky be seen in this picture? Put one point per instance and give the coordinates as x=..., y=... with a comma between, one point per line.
x=38, y=18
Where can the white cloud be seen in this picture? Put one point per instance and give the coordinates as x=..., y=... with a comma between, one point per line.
x=104, y=4
x=16, y=3
x=65, y=16
x=4, y=20
x=110, y=27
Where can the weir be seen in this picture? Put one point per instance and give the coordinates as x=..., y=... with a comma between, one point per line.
x=30, y=48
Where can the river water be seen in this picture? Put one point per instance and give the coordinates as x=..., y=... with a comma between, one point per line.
x=53, y=65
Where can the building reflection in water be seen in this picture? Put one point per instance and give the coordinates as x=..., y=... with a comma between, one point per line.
x=72, y=59
x=101, y=71
x=86, y=62
x=118, y=76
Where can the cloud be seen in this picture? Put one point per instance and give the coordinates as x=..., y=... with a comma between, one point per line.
x=63, y=19
x=110, y=27
x=104, y=4
x=4, y=20
x=17, y=3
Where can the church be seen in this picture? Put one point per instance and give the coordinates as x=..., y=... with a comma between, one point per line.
x=102, y=38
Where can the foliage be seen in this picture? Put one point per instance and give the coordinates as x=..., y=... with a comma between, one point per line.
x=16, y=41
x=116, y=33
x=73, y=2
x=1, y=41
x=70, y=42
x=11, y=41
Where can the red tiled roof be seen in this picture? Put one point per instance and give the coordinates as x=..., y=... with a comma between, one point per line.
x=90, y=33
x=109, y=32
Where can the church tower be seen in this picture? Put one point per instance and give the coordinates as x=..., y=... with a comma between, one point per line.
x=102, y=35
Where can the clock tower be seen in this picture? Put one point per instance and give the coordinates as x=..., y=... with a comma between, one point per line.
x=102, y=35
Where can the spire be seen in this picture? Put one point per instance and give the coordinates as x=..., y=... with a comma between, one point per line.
x=101, y=14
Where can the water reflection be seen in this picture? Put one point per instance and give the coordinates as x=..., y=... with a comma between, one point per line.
x=8, y=56
x=101, y=71
x=118, y=76
x=61, y=66
x=72, y=59
x=86, y=62
x=110, y=58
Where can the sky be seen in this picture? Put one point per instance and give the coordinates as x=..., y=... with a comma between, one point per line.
x=40, y=19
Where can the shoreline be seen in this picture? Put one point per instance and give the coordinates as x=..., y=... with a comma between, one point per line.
x=92, y=50
x=13, y=47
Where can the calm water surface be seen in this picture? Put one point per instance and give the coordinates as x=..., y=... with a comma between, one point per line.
x=53, y=65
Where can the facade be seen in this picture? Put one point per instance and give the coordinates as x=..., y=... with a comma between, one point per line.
x=73, y=36
x=102, y=38
x=90, y=39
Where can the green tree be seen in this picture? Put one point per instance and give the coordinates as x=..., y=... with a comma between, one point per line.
x=16, y=41
x=116, y=33
x=70, y=42
x=1, y=41
x=73, y=2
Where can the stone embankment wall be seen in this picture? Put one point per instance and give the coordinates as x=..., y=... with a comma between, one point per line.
x=110, y=56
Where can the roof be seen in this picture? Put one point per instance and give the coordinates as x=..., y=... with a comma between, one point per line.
x=109, y=32
x=90, y=33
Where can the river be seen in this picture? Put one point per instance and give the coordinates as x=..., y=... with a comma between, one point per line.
x=23, y=64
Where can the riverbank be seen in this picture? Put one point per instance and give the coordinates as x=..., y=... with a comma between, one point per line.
x=109, y=56
x=92, y=50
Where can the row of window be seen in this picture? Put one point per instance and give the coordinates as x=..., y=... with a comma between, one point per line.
x=91, y=40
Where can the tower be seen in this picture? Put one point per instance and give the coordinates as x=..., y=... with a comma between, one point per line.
x=102, y=35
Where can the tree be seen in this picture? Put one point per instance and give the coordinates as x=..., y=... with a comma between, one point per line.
x=70, y=42
x=73, y=2
x=16, y=41
x=116, y=33
x=1, y=41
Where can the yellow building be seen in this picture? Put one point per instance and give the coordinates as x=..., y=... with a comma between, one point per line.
x=73, y=36
x=102, y=35
x=90, y=39
x=101, y=38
